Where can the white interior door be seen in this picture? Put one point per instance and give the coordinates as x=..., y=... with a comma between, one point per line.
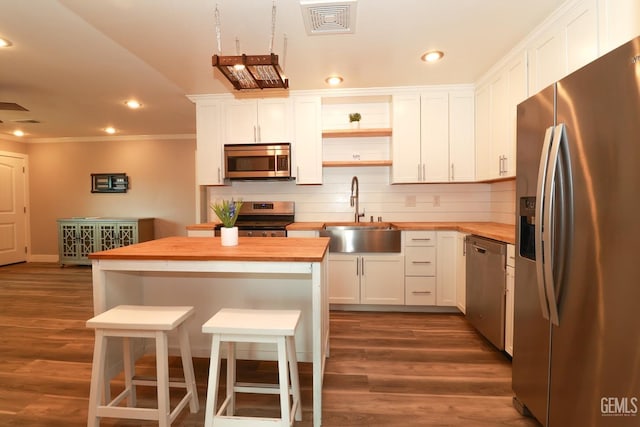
x=12, y=210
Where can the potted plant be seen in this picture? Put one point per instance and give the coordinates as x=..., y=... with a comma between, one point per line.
x=227, y=212
x=354, y=120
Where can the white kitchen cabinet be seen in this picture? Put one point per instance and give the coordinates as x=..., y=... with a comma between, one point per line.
x=366, y=279
x=461, y=273
x=209, y=147
x=495, y=125
x=78, y=237
x=566, y=44
x=461, y=136
x=405, y=146
x=307, y=141
x=433, y=137
x=257, y=120
x=618, y=22
x=509, y=300
x=420, y=267
x=446, y=285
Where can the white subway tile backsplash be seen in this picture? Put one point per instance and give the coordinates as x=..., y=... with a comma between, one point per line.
x=330, y=201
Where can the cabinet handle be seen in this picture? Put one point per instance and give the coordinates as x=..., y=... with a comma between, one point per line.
x=362, y=259
x=421, y=292
x=255, y=134
x=504, y=167
x=357, y=267
x=453, y=175
x=424, y=175
x=259, y=134
x=219, y=176
x=419, y=173
x=421, y=262
x=417, y=239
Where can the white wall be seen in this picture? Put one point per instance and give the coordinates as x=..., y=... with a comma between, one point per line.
x=330, y=201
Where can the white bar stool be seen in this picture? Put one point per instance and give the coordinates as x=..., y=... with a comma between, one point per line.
x=131, y=321
x=254, y=326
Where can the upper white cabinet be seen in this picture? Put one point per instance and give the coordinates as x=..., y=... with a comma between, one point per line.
x=495, y=125
x=209, y=149
x=566, y=44
x=618, y=22
x=461, y=136
x=307, y=139
x=433, y=137
x=257, y=120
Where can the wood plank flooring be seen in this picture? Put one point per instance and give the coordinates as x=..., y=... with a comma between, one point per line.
x=385, y=369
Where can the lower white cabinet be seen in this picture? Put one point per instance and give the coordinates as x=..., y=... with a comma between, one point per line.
x=431, y=268
x=78, y=237
x=508, y=317
x=366, y=279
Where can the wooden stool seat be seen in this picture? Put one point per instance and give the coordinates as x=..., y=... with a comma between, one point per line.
x=253, y=326
x=131, y=321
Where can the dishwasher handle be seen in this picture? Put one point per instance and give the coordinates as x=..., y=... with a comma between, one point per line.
x=479, y=249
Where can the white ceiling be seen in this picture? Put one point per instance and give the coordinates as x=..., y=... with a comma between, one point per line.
x=74, y=62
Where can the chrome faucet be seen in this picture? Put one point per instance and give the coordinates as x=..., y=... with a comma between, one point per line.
x=354, y=200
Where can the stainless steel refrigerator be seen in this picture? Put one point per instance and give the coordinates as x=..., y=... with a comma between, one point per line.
x=576, y=359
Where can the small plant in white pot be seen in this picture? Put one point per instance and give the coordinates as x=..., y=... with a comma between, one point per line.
x=227, y=212
x=354, y=120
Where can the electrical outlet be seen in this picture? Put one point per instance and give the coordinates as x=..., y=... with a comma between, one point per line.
x=436, y=201
x=410, y=201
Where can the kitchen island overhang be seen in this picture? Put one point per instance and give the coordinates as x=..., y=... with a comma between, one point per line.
x=265, y=273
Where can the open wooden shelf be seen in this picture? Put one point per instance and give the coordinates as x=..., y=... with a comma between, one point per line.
x=342, y=164
x=355, y=133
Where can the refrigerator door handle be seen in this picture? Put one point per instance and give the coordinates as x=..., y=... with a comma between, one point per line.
x=547, y=239
x=541, y=201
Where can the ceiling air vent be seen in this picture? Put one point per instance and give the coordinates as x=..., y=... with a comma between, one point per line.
x=329, y=16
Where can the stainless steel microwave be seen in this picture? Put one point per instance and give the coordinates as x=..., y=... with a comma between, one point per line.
x=257, y=161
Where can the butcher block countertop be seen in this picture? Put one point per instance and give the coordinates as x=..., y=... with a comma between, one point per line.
x=492, y=230
x=278, y=249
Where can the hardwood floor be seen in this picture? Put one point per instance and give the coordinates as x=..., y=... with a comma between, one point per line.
x=385, y=369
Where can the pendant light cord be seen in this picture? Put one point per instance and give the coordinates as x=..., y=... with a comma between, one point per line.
x=217, y=18
x=273, y=26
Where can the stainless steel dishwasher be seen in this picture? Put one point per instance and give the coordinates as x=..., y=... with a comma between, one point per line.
x=486, y=283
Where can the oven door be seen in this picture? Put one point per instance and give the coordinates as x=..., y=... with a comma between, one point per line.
x=255, y=161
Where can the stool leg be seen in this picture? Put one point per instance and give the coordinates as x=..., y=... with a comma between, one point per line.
x=97, y=377
x=295, y=380
x=231, y=378
x=187, y=368
x=212, y=386
x=129, y=371
x=162, y=368
x=284, y=381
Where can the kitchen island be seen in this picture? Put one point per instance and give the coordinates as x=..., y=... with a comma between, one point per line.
x=271, y=272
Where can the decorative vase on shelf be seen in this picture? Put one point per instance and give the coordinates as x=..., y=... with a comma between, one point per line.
x=354, y=120
x=229, y=236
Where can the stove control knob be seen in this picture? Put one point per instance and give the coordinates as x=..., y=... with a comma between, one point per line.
x=273, y=234
x=264, y=234
x=249, y=233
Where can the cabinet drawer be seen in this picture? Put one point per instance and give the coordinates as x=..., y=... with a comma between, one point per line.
x=420, y=238
x=420, y=261
x=420, y=290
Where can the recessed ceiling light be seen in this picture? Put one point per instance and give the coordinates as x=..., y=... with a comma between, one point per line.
x=5, y=42
x=18, y=132
x=432, y=56
x=334, y=80
x=110, y=130
x=133, y=104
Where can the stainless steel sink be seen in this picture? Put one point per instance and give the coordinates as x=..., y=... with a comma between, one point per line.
x=362, y=237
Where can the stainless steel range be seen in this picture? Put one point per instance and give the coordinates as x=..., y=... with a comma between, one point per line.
x=264, y=219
